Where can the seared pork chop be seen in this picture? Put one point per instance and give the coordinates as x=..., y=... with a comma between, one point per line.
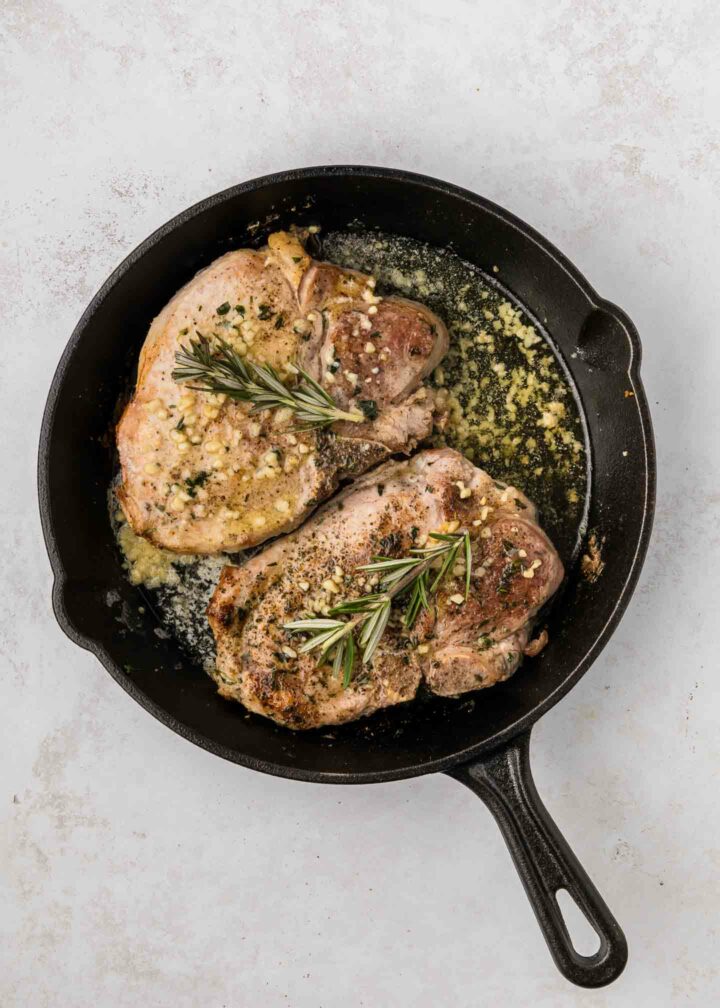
x=200, y=474
x=456, y=645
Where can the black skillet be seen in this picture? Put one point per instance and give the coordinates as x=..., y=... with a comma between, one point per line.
x=484, y=745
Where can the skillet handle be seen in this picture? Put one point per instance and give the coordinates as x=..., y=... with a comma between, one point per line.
x=545, y=863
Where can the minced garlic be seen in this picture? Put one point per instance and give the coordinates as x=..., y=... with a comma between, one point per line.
x=146, y=564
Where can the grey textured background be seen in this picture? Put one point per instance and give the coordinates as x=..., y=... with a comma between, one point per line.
x=142, y=871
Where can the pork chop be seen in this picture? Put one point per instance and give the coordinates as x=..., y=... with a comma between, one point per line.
x=200, y=474
x=455, y=646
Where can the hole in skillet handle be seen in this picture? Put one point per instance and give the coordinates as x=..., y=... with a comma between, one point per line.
x=585, y=939
x=545, y=863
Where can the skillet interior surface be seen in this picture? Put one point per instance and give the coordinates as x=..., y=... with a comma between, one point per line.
x=98, y=608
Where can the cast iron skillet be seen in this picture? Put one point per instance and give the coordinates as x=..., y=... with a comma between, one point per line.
x=484, y=745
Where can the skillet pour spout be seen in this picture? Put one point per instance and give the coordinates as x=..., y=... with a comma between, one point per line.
x=483, y=745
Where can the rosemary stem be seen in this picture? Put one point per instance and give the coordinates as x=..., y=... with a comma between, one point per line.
x=217, y=367
x=355, y=417
x=408, y=578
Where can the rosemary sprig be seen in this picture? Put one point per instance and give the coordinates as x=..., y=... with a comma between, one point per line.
x=219, y=368
x=370, y=613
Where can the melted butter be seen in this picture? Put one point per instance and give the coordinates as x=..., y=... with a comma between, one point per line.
x=510, y=410
x=146, y=564
x=510, y=405
x=179, y=585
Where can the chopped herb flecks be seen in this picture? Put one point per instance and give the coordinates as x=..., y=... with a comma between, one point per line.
x=195, y=481
x=369, y=408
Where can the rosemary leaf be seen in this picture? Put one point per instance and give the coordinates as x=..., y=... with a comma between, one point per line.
x=314, y=624
x=339, y=660
x=349, y=661
x=373, y=630
x=447, y=565
x=360, y=605
x=419, y=600
x=468, y=564
x=336, y=638
x=318, y=640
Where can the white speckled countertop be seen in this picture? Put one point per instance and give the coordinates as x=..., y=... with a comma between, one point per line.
x=144, y=871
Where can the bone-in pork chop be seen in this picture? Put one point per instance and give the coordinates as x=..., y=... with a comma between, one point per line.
x=456, y=645
x=200, y=474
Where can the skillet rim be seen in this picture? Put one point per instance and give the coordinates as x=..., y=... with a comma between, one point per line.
x=500, y=738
